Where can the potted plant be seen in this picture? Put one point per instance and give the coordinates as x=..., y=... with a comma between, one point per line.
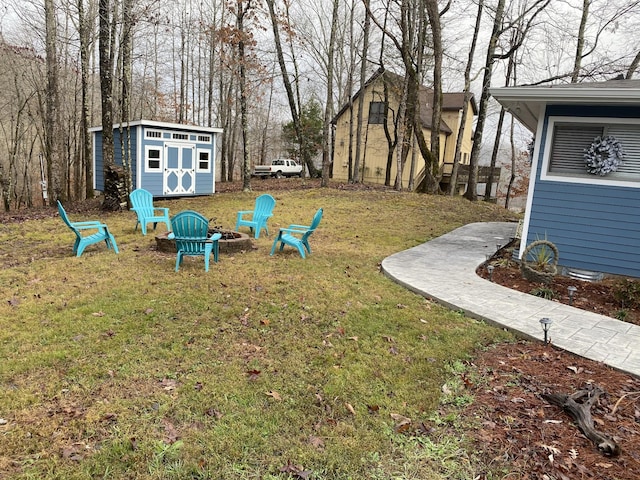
x=540, y=262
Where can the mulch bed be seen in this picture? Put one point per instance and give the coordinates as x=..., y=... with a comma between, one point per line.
x=513, y=427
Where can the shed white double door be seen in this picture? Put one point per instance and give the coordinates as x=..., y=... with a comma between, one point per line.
x=180, y=169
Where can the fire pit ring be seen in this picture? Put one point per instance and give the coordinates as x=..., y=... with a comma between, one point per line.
x=230, y=242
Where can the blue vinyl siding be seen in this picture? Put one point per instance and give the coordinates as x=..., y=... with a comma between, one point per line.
x=133, y=153
x=595, y=227
x=98, y=173
x=153, y=181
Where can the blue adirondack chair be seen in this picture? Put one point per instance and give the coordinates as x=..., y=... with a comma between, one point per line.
x=297, y=236
x=190, y=230
x=262, y=211
x=83, y=230
x=142, y=204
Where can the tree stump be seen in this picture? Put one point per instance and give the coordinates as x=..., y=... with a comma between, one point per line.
x=581, y=413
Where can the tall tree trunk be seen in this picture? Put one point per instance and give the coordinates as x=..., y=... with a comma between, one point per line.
x=363, y=75
x=453, y=181
x=349, y=88
x=496, y=143
x=84, y=34
x=392, y=142
x=471, y=193
x=512, y=177
x=125, y=114
x=633, y=67
x=52, y=105
x=577, y=61
x=436, y=36
x=328, y=110
x=405, y=129
x=246, y=161
x=106, y=96
x=294, y=107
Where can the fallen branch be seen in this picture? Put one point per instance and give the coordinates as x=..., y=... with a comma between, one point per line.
x=581, y=413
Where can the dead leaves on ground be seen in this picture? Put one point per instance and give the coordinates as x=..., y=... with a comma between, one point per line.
x=518, y=428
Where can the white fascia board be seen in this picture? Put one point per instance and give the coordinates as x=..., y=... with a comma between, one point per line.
x=153, y=123
x=617, y=96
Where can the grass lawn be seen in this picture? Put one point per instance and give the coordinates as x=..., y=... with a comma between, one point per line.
x=266, y=367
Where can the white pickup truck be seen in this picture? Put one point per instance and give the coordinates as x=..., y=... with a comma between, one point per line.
x=281, y=167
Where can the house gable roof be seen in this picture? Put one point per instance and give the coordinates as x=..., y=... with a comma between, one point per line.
x=450, y=101
x=526, y=103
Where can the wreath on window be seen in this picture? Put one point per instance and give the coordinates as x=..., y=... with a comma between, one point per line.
x=604, y=155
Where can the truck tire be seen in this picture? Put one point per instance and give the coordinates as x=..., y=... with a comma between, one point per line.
x=278, y=174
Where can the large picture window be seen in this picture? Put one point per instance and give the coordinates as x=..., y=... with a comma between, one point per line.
x=568, y=138
x=377, y=112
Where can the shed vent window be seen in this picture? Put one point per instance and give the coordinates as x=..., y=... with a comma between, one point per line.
x=571, y=139
x=377, y=112
x=153, y=134
x=204, y=138
x=180, y=136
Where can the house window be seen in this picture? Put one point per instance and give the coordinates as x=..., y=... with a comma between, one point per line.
x=153, y=159
x=377, y=112
x=568, y=138
x=204, y=161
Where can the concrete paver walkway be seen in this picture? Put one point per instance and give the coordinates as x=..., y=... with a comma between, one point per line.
x=443, y=269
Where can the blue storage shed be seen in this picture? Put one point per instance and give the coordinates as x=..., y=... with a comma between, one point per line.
x=593, y=217
x=167, y=159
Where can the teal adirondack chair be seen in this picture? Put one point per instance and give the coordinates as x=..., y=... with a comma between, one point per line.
x=262, y=211
x=83, y=236
x=190, y=230
x=297, y=236
x=142, y=204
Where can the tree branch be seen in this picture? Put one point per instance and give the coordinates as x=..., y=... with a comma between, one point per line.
x=581, y=413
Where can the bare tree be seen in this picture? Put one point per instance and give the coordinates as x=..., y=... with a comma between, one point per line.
x=84, y=33
x=363, y=74
x=293, y=96
x=328, y=108
x=51, y=123
x=634, y=66
x=438, y=51
x=453, y=181
x=499, y=27
x=106, y=39
x=241, y=13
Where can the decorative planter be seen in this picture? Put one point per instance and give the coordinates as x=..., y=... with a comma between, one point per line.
x=230, y=242
x=539, y=262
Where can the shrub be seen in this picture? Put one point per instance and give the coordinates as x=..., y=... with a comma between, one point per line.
x=627, y=292
x=544, y=292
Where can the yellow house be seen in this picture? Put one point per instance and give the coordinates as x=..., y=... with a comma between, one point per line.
x=379, y=110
